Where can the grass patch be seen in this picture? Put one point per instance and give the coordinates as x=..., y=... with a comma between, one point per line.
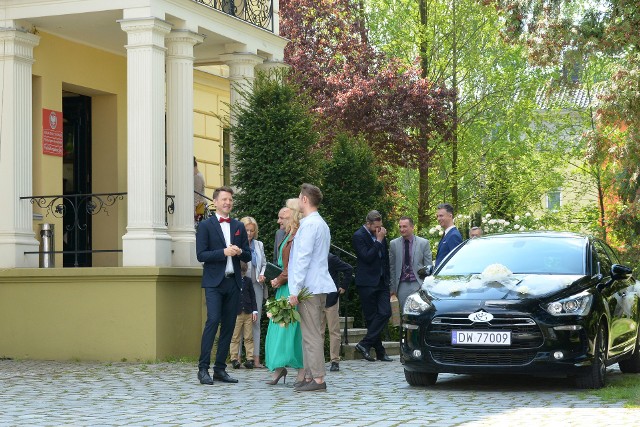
x=621, y=388
x=181, y=359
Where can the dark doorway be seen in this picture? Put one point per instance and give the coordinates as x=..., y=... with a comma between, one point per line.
x=76, y=177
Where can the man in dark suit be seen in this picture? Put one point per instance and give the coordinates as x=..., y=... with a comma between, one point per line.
x=451, y=236
x=372, y=282
x=221, y=243
x=331, y=317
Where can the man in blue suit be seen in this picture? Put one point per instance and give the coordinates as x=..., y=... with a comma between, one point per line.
x=372, y=282
x=451, y=237
x=221, y=243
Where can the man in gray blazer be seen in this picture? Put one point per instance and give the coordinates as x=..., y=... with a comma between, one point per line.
x=407, y=254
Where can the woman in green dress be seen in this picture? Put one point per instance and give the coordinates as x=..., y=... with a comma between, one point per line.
x=283, y=345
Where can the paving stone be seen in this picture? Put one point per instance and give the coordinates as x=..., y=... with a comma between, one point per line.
x=362, y=394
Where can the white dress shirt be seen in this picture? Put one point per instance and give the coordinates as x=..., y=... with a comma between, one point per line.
x=308, y=264
x=226, y=231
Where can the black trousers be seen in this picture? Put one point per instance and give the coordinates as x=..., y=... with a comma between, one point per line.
x=222, y=308
x=377, y=312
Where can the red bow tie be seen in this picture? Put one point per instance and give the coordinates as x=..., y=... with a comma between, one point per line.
x=224, y=220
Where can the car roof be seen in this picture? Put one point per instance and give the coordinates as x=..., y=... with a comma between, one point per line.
x=541, y=233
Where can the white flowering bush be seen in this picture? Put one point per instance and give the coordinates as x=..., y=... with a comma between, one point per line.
x=526, y=222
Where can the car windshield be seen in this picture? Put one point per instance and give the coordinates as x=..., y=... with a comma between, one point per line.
x=520, y=254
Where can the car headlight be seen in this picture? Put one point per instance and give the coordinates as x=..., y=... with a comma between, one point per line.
x=415, y=304
x=577, y=305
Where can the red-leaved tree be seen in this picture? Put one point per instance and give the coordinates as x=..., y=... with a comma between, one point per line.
x=357, y=90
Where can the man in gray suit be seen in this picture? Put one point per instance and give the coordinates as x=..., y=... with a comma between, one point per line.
x=407, y=254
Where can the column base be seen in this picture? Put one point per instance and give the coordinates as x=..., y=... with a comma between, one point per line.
x=13, y=247
x=184, y=249
x=146, y=248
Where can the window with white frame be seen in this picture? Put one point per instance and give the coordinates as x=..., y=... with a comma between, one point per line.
x=554, y=199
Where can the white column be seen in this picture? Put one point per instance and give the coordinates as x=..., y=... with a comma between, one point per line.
x=276, y=17
x=146, y=242
x=241, y=76
x=180, y=144
x=16, y=216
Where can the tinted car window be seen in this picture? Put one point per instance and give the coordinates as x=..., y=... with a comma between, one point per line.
x=522, y=254
x=603, y=258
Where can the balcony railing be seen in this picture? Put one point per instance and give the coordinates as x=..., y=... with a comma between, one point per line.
x=256, y=12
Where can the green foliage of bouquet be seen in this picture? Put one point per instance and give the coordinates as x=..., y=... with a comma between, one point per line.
x=280, y=311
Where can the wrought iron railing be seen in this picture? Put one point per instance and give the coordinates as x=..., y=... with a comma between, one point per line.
x=256, y=12
x=78, y=206
x=345, y=297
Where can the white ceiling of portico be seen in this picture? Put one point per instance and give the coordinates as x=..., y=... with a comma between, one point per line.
x=101, y=29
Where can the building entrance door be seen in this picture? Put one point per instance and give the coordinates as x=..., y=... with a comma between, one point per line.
x=76, y=177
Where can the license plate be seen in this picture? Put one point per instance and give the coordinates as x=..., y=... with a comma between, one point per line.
x=481, y=337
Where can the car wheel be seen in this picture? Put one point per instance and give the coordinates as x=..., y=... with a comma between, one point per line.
x=420, y=379
x=632, y=364
x=594, y=378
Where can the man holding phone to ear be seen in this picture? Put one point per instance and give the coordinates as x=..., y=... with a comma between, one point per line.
x=372, y=282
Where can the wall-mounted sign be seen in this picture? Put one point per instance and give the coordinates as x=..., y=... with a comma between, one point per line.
x=52, y=132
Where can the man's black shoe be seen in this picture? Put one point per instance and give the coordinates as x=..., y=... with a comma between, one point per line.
x=335, y=367
x=385, y=358
x=235, y=364
x=224, y=377
x=249, y=364
x=203, y=377
x=365, y=353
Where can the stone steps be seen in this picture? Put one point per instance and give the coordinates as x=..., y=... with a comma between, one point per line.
x=350, y=353
x=354, y=335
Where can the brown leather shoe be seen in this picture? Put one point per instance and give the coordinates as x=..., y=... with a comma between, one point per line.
x=313, y=386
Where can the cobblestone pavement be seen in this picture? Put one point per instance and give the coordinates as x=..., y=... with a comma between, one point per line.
x=362, y=394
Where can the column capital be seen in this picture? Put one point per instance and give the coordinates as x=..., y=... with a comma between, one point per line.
x=241, y=64
x=144, y=32
x=269, y=65
x=18, y=44
x=180, y=43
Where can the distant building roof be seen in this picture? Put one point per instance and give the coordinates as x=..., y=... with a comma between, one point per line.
x=567, y=97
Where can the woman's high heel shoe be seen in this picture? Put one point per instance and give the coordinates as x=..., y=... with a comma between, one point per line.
x=282, y=374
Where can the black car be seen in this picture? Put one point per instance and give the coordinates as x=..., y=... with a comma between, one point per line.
x=540, y=303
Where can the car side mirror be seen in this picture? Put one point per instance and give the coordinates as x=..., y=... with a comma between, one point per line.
x=425, y=271
x=620, y=272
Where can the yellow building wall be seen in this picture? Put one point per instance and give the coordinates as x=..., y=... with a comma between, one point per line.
x=61, y=65
x=107, y=314
x=210, y=100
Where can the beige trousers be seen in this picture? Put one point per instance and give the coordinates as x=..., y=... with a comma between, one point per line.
x=244, y=328
x=332, y=319
x=311, y=313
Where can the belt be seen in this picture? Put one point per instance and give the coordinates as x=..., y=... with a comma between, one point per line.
x=229, y=275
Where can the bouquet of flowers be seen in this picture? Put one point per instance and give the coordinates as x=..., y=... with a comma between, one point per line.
x=280, y=311
x=496, y=273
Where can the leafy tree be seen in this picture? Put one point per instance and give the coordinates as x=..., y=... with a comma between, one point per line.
x=357, y=89
x=493, y=117
x=352, y=187
x=578, y=34
x=273, y=142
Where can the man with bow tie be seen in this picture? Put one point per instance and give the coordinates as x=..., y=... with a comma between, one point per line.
x=221, y=243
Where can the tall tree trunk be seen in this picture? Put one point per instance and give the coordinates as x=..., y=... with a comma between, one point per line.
x=423, y=169
x=454, y=123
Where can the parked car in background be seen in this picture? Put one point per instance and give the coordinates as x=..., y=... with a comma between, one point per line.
x=539, y=303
